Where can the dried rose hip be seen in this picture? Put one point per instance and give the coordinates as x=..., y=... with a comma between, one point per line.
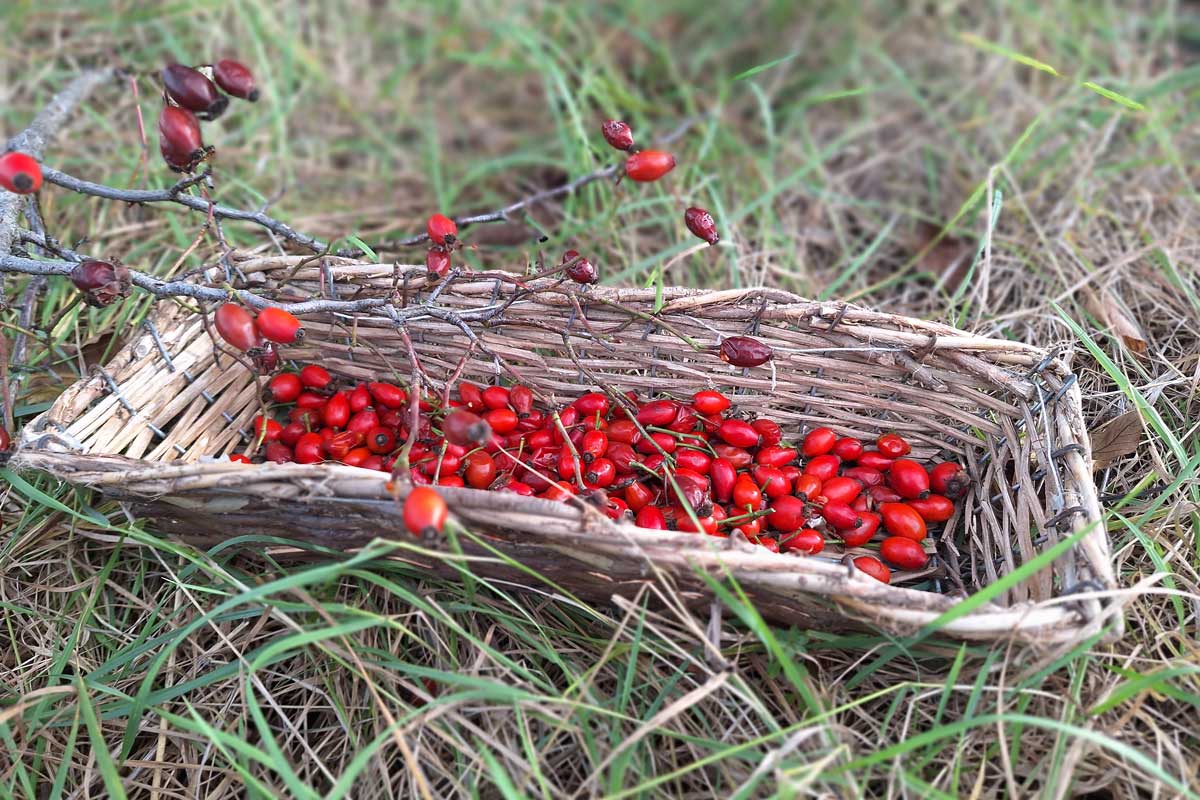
x=742, y=351
x=102, y=282
x=701, y=223
x=617, y=134
x=582, y=270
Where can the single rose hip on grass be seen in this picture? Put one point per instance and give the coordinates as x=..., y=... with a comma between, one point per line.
x=701, y=224
x=234, y=78
x=617, y=134
x=189, y=88
x=441, y=229
x=743, y=351
x=20, y=173
x=649, y=165
x=102, y=282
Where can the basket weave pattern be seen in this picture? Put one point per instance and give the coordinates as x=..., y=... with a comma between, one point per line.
x=144, y=427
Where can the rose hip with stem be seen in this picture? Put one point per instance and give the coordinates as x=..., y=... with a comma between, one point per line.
x=649, y=165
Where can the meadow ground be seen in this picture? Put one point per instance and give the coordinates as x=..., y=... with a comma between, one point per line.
x=1055, y=141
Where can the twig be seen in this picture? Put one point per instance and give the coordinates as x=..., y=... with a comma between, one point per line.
x=34, y=139
x=174, y=195
x=500, y=214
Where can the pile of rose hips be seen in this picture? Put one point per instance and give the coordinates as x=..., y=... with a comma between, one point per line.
x=666, y=464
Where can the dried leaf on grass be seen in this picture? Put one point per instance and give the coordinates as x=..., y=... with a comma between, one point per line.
x=947, y=257
x=1115, y=438
x=1108, y=308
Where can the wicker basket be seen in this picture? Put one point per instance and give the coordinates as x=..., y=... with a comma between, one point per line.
x=145, y=428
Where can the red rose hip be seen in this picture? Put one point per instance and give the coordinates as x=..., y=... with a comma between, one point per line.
x=236, y=326
x=279, y=326
x=441, y=229
x=701, y=224
x=20, y=173
x=649, y=165
x=903, y=553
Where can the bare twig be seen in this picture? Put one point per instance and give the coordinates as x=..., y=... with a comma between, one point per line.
x=33, y=141
x=501, y=214
x=41, y=131
x=175, y=195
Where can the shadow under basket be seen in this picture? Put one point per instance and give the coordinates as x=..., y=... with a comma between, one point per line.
x=154, y=428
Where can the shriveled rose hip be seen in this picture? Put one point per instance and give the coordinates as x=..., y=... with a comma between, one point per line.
x=617, y=134
x=464, y=428
x=437, y=261
x=102, y=282
x=701, y=224
x=581, y=270
x=236, y=79
x=743, y=351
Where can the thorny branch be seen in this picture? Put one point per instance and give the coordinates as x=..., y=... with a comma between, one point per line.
x=33, y=141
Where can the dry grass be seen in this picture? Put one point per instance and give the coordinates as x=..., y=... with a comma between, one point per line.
x=130, y=662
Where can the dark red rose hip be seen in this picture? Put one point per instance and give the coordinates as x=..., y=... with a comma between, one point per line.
x=179, y=138
x=742, y=351
x=190, y=89
x=701, y=223
x=102, y=282
x=582, y=271
x=234, y=78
